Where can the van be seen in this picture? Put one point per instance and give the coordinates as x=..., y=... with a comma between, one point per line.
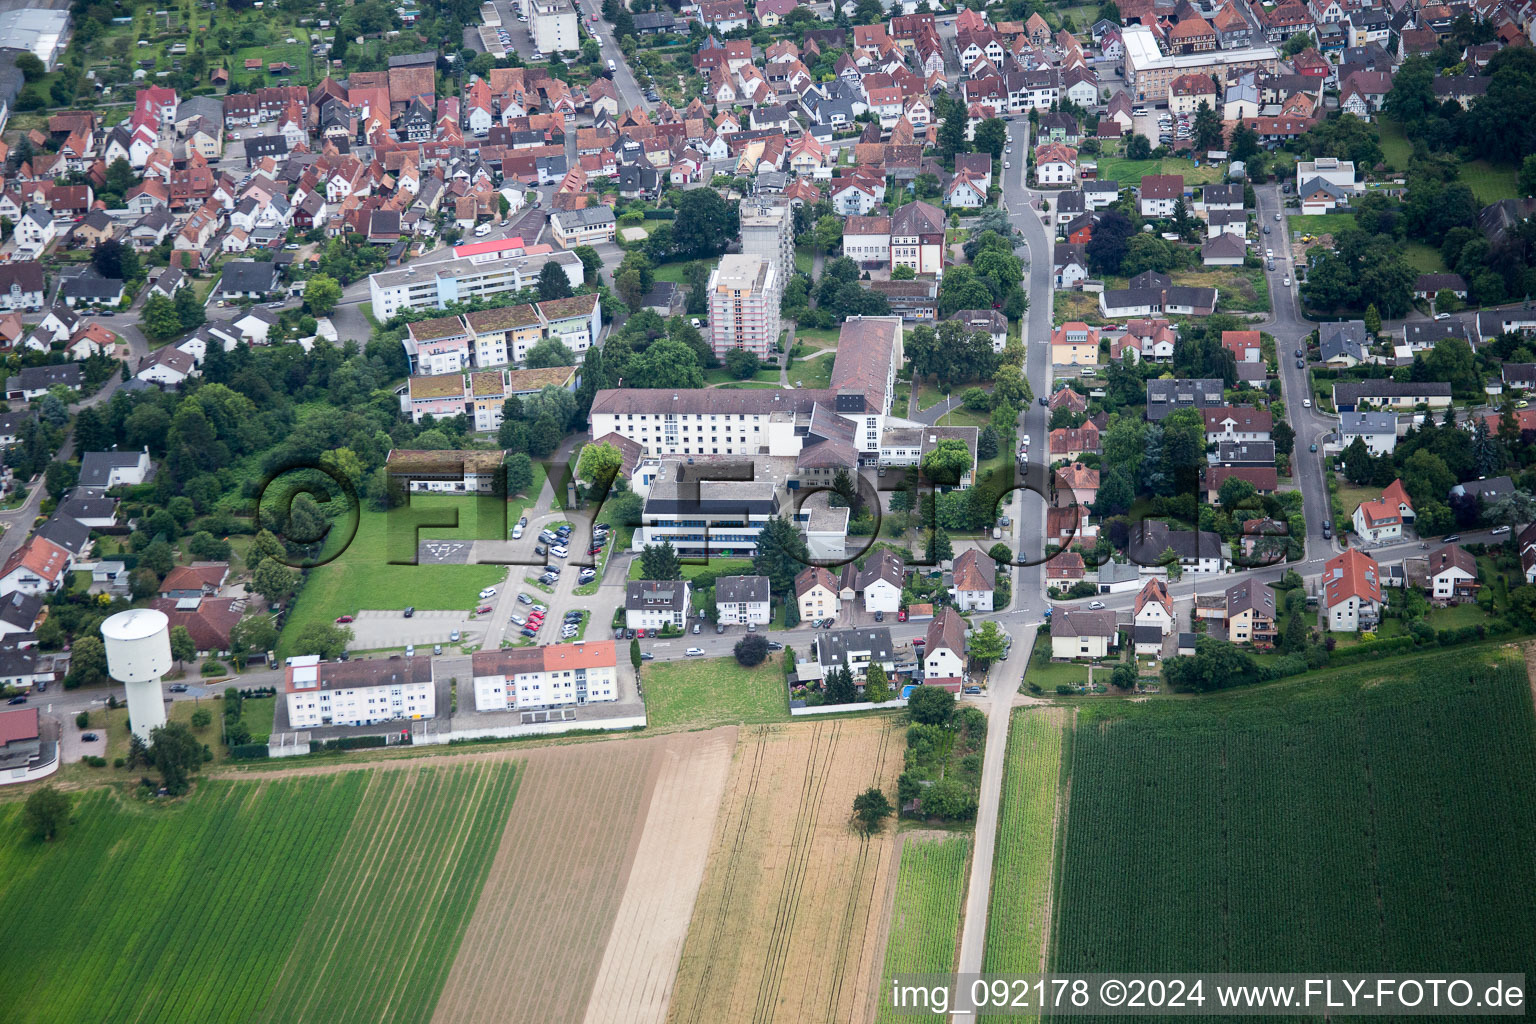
x=612, y=67
x=482, y=230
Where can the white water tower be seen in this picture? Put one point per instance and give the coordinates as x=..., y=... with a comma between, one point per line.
x=138, y=654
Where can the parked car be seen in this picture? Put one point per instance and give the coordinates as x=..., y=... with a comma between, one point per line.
x=973, y=690
x=410, y=650
x=901, y=616
x=524, y=599
x=178, y=687
x=618, y=634
x=484, y=609
x=517, y=532
x=1452, y=539
x=719, y=628
x=560, y=552
x=647, y=656
x=879, y=616
x=540, y=549
x=1095, y=605
x=453, y=637
x=629, y=634
x=774, y=645
x=815, y=623
x=409, y=611
x=342, y=620
x=437, y=648
x=696, y=627
x=521, y=620
x=488, y=592
x=1301, y=364
x=1499, y=529
x=1442, y=316
x=694, y=652
x=89, y=737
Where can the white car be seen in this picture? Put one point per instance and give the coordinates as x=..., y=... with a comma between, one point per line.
x=694, y=652
x=1306, y=403
x=1442, y=316
x=1499, y=529
x=517, y=532
x=559, y=552
x=1024, y=440
x=1095, y=605
x=487, y=592
x=1269, y=254
x=1286, y=282
x=1007, y=166
x=482, y=230
x=519, y=619
x=1277, y=216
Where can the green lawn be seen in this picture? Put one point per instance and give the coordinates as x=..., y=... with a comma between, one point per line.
x=720, y=375
x=929, y=395
x=1394, y=144
x=1048, y=675
x=813, y=373
x=520, y=505
x=363, y=577
x=1424, y=258
x=1075, y=306
x=960, y=416
x=1130, y=172
x=1491, y=182
x=699, y=693
x=257, y=714
x=804, y=259
x=674, y=272
x=718, y=566
x=817, y=337
x=1320, y=223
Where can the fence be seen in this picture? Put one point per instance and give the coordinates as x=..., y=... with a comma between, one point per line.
x=863, y=705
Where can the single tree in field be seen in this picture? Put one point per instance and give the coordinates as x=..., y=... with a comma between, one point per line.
x=870, y=809
x=175, y=753
x=46, y=812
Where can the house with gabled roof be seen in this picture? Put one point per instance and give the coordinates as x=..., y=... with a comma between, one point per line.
x=1352, y=592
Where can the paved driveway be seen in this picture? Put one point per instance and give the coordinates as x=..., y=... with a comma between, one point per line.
x=382, y=630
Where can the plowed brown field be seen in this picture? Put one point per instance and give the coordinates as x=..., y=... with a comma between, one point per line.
x=576, y=841
x=789, y=923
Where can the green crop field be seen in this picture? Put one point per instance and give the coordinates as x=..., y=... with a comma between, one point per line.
x=1377, y=819
x=1017, y=918
x=338, y=897
x=700, y=693
x=925, y=920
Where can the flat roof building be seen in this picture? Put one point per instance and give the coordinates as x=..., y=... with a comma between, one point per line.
x=1149, y=72
x=744, y=305
x=420, y=285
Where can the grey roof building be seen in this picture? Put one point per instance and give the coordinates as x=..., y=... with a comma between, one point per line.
x=1166, y=396
x=833, y=648
x=1346, y=339
x=248, y=277
x=741, y=589
x=656, y=595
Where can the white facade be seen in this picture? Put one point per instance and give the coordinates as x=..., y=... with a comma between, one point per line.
x=944, y=663
x=459, y=280
x=554, y=26
x=555, y=676
x=313, y=702
x=882, y=595
x=744, y=305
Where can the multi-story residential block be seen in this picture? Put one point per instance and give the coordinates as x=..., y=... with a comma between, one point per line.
x=767, y=230
x=321, y=693
x=479, y=394
x=554, y=675
x=744, y=305
x=437, y=346
x=554, y=26
x=482, y=269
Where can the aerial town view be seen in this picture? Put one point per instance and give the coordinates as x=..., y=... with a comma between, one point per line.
x=805, y=511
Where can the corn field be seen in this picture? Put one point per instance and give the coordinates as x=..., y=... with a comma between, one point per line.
x=925, y=922
x=1385, y=824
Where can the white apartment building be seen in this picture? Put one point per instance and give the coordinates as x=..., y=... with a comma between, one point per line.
x=554, y=26
x=420, y=285
x=321, y=693
x=556, y=675
x=495, y=337
x=654, y=604
x=767, y=230
x=744, y=305
x=742, y=600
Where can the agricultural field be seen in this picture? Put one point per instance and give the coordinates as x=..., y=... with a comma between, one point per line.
x=1373, y=819
x=253, y=900
x=590, y=892
x=1019, y=915
x=703, y=692
x=789, y=921
x=925, y=917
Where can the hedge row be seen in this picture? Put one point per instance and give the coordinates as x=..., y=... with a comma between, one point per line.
x=356, y=742
x=248, y=751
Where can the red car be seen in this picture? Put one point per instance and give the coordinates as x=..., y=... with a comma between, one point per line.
x=919, y=642
x=901, y=616
x=639, y=634
x=535, y=616
x=343, y=619
x=483, y=609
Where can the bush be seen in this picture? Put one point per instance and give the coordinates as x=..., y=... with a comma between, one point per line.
x=213, y=667
x=1064, y=689
x=94, y=761
x=118, y=762
x=356, y=742
x=83, y=719
x=250, y=751
x=751, y=650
